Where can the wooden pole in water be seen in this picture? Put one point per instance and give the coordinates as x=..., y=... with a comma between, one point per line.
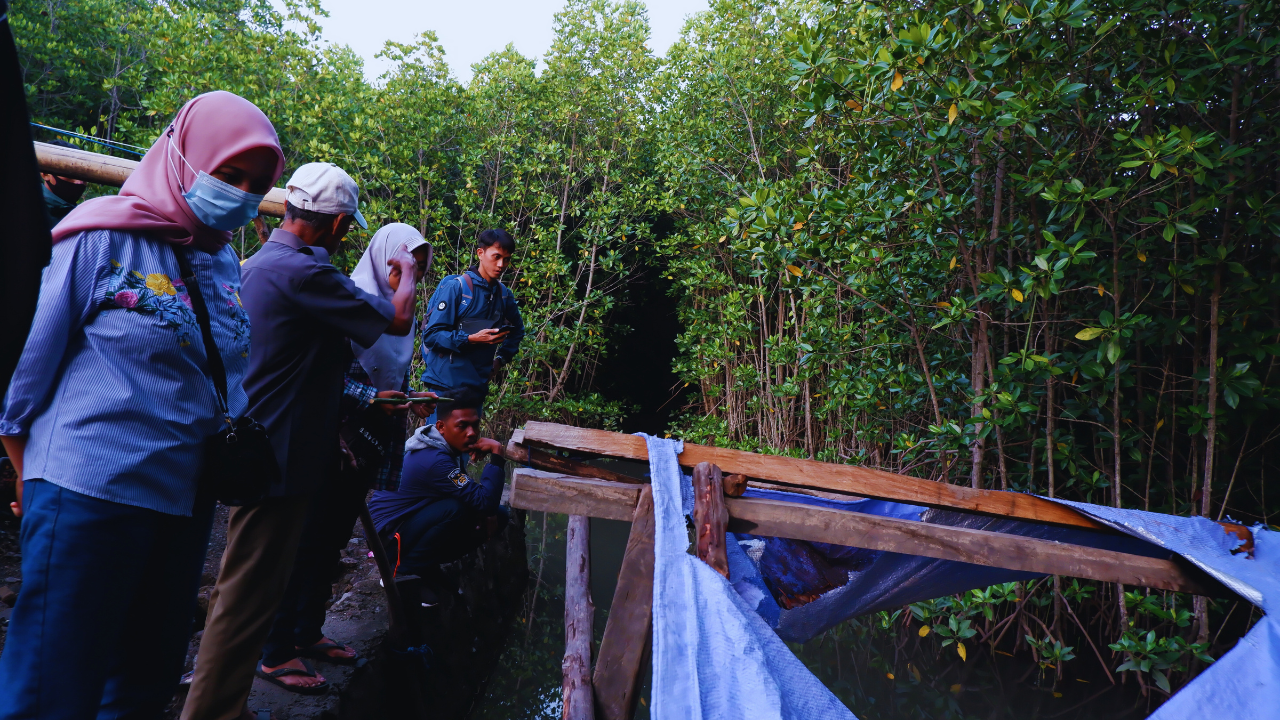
x=109, y=170
x=579, y=614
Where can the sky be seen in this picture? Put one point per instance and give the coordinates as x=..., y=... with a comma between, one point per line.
x=471, y=29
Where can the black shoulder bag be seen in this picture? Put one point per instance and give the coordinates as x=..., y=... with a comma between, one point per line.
x=240, y=464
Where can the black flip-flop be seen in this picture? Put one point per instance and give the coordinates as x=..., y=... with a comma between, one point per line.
x=318, y=652
x=274, y=676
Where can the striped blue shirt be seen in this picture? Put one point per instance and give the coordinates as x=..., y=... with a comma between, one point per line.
x=111, y=386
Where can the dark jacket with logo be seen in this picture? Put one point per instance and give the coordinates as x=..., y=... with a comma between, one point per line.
x=460, y=301
x=432, y=471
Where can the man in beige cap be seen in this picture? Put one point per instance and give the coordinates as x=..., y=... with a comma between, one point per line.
x=302, y=310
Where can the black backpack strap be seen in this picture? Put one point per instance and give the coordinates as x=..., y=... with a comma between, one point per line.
x=216, y=370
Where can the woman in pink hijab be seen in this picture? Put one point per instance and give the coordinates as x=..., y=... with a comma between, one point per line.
x=107, y=414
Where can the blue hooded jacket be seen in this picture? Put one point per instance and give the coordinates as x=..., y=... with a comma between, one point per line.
x=451, y=361
x=433, y=471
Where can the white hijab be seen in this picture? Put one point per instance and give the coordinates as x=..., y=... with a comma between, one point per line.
x=388, y=359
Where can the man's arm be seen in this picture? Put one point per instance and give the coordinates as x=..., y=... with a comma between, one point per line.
x=333, y=299
x=485, y=496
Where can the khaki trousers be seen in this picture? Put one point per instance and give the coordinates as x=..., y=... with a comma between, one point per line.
x=262, y=541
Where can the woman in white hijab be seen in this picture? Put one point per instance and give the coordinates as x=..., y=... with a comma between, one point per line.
x=387, y=360
x=373, y=441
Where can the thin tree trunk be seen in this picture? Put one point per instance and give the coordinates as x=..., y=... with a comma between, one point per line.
x=568, y=358
x=579, y=613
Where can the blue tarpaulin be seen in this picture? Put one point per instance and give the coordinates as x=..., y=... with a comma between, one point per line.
x=702, y=628
x=703, y=623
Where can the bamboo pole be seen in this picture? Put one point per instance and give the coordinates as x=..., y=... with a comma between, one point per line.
x=108, y=170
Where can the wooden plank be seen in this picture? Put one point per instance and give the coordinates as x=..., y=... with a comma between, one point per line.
x=980, y=547
x=627, y=632
x=849, y=479
x=710, y=517
x=109, y=170
x=579, y=614
x=538, y=490
x=543, y=460
x=772, y=518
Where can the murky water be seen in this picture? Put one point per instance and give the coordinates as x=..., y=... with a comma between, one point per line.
x=880, y=673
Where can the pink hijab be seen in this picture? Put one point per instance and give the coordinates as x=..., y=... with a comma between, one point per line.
x=209, y=130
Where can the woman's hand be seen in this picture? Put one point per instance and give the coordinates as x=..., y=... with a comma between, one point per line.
x=492, y=336
x=391, y=408
x=423, y=410
x=15, y=446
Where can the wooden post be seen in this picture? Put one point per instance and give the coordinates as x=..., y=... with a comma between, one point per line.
x=710, y=516
x=579, y=614
x=399, y=634
x=398, y=623
x=627, y=633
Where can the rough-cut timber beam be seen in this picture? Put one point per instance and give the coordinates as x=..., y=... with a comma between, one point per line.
x=627, y=632
x=108, y=170
x=539, y=490
x=772, y=518
x=710, y=517
x=542, y=460
x=849, y=479
x=579, y=612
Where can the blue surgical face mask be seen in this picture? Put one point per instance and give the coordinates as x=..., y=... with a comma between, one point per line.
x=215, y=203
x=219, y=205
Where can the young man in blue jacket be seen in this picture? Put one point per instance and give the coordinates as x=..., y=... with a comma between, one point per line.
x=474, y=326
x=439, y=513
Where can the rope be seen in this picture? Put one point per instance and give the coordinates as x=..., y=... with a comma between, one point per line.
x=122, y=147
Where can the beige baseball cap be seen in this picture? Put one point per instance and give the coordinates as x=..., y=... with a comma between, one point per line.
x=325, y=188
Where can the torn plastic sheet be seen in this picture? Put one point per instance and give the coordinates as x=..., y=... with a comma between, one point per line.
x=713, y=657
x=1246, y=680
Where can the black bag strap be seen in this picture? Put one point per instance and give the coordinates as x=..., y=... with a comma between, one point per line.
x=216, y=370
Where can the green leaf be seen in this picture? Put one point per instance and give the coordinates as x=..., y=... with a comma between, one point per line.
x=1161, y=680
x=1106, y=27
x=1089, y=333
x=1113, y=351
x=1232, y=398
x=1186, y=229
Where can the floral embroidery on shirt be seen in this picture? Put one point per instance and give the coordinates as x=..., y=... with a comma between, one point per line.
x=154, y=294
